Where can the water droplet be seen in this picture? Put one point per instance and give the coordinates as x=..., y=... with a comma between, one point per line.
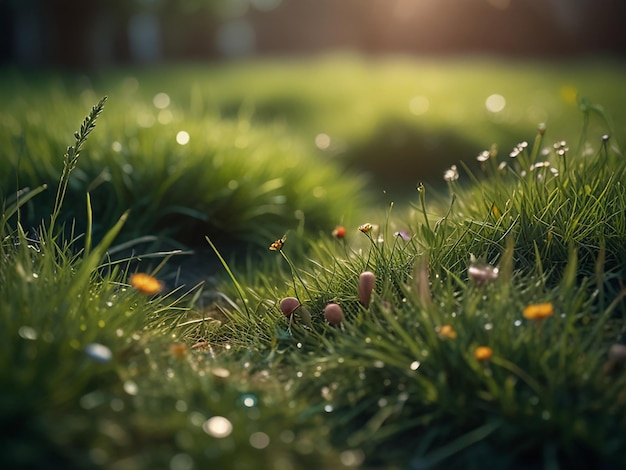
x=91, y=400
x=119, y=332
x=352, y=458
x=414, y=365
x=299, y=345
x=27, y=332
x=131, y=387
x=379, y=364
x=287, y=436
x=488, y=326
x=220, y=372
x=181, y=462
x=382, y=402
x=259, y=440
x=196, y=418
x=249, y=400
x=98, y=352
x=328, y=408
x=217, y=426
x=517, y=322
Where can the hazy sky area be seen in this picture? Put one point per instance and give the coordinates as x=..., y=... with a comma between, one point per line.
x=96, y=33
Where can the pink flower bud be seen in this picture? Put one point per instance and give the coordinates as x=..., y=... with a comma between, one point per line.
x=333, y=313
x=289, y=305
x=367, y=280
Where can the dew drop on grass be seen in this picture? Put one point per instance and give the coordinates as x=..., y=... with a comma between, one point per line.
x=119, y=332
x=299, y=374
x=91, y=400
x=382, y=402
x=98, y=352
x=109, y=303
x=259, y=440
x=328, y=408
x=131, y=387
x=287, y=436
x=117, y=404
x=249, y=400
x=218, y=427
x=299, y=345
x=488, y=326
x=181, y=462
x=352, y=458
x=517, y=322
x=196, y=418
x=27, y=332
x=414, y=365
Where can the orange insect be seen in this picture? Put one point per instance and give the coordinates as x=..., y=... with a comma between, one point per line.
x=278, y=244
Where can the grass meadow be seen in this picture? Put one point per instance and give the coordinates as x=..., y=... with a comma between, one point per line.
x=323, y=263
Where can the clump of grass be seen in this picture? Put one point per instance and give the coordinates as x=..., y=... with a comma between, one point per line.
x=489, y=330
x=96, y=371
x=183, y=176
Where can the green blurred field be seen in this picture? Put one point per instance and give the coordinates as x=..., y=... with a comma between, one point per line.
x=257, y=129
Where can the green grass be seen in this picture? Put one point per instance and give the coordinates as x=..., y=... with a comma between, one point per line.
x=216, y=375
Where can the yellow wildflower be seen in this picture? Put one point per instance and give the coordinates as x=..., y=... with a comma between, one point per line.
x=538, y=312
x=483, y=353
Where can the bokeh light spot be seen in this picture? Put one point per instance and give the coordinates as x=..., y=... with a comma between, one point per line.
x=419, y=105
x=259, y=440
x=495, y=103
x=182, y=138
x=218, y=426
x=161, y=100
x=322, y=141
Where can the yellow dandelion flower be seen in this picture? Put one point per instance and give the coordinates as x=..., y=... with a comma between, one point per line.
x=483, y=353
x=145, y=283
x=446, y=331
x=538, y=312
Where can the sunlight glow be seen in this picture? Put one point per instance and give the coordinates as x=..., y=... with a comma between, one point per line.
x=495, y=103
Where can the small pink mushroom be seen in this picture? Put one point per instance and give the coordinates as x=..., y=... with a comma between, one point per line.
x=367, y=280
x=289, y=305
x=333, y=313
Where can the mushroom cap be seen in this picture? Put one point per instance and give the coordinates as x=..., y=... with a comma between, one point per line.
x=289, y=305
x=333, y=313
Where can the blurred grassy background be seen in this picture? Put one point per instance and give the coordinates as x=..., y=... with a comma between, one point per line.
x=256, y=129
